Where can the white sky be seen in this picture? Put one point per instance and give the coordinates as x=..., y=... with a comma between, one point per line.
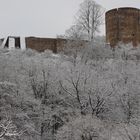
x=45, y=18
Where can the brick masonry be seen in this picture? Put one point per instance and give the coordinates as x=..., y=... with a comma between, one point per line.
x=38, y=44
x=123, y=25
x=42, y=44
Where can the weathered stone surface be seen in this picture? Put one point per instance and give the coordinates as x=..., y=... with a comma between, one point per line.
x=123, y=25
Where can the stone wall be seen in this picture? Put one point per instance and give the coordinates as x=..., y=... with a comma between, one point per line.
x=41, y=44
x=123, y=25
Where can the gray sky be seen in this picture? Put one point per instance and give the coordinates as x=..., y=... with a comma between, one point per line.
x=45, y=18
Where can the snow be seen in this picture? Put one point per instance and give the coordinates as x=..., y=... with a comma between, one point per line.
x=56, y=55
x=4, y=42
x=112, y=81
x=22, y=43
x=11, y=43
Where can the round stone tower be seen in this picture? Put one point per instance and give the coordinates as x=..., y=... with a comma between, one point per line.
x=123, y=25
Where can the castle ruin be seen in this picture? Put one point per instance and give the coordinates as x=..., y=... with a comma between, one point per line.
x=35, y=43
x=39, y=44
x=123, y=25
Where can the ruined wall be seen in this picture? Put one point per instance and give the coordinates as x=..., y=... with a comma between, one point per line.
x=123, y=25
x=41, y=44
x=61, y=44
x=17, y=41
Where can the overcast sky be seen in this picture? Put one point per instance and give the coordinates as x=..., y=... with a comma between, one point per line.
x=45, y=18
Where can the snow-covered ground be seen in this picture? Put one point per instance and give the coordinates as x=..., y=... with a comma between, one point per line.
x=94, y=92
